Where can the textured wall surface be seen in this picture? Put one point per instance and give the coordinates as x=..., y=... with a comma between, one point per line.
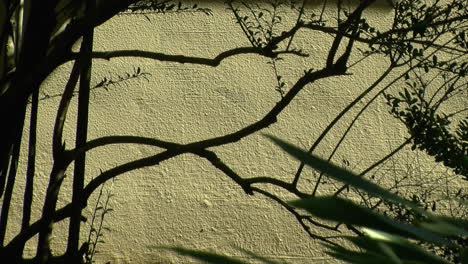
x=186, y=201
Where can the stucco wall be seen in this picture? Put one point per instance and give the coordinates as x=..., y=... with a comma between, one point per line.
x=186, y=201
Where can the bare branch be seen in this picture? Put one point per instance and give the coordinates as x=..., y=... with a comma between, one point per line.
x=300, y=218
x=107, y=55
x=268, y=51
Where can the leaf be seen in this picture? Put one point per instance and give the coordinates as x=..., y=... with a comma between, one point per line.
x=350, y=256
x=341, y=174
x=404, y=248
x=342, y=210
x=374, y=244
x=407, y=95
x=464, y=256
x=207, y=257
x=389, y=253
x=447, y=226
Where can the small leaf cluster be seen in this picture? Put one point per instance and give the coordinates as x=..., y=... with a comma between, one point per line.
x=258, y=21
x=461, y=40
x=107, y=81
x=452, y=253
x=384, y=239
x=164, y=6
x=448, y=66
x=280, y=83
x=97, y=227
x=426, y=23
x=407, y=215
x=429, y=129
x=361, y=24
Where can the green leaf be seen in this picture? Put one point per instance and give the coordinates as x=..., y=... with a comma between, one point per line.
x=342, y=210
x=372, y=251
x=464, y=256
x=341, y=174
x=404, y=248
x=350, y=256
x=204, y=256
x=364, y=243
x=447, y=226
x=388, y=252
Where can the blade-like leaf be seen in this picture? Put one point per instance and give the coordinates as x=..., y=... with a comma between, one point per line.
x=464, y=256
x=444, y=227
x=342, y=210
x=371, y=252
x=404, y=248
x=354, y=257
x=389, y=253
x=341, y=174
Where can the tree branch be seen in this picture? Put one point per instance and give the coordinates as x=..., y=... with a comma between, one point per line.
x=381, y=40
x=300, y=218
x=81, y=134
x=107, y=55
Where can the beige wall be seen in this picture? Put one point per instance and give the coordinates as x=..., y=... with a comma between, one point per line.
x=185, y=201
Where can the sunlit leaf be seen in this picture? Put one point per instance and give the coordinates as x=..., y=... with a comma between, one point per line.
x=354, y=257
x=404, y=248
x=342, y=210
x=448, y=226
x=341, y=174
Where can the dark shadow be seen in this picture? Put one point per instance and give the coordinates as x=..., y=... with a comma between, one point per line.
x=386, y=5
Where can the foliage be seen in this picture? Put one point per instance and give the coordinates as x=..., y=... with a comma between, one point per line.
x=431, y=131
x=96, y=231
x=417, y=106
x=384, y=239
x=424, y=43
x=164, y=6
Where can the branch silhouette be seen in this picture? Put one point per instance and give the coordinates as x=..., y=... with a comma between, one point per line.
x=107, y=55
x=412, y=43
x=174, y=149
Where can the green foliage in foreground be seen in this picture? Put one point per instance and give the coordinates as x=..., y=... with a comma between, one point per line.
x=384, y=240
